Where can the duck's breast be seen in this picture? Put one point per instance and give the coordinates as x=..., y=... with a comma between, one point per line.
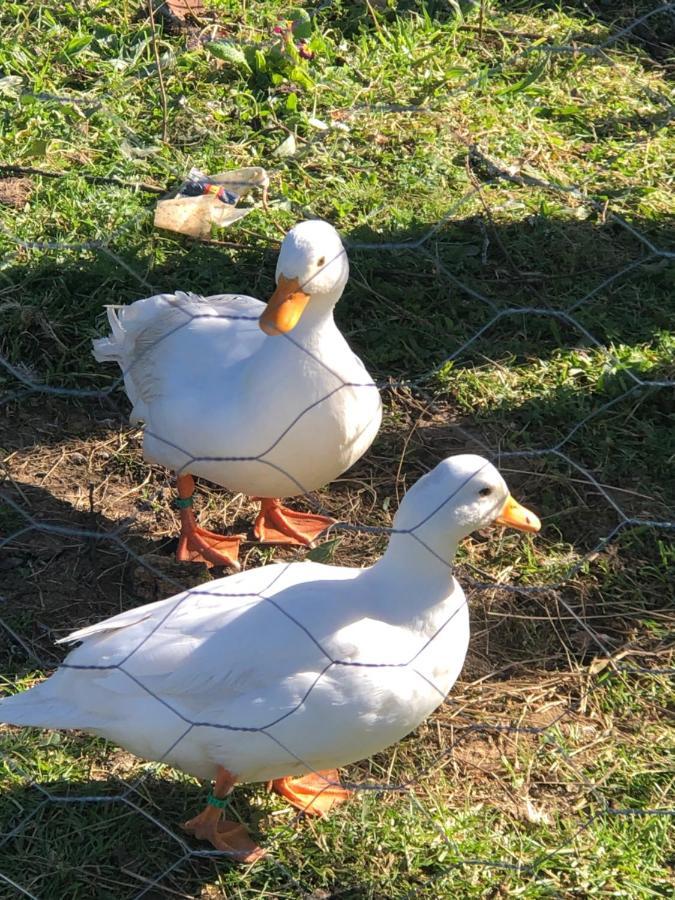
x=381, y=681
x=278, y=423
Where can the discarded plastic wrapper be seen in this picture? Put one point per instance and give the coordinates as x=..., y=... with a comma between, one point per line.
x=205, y=200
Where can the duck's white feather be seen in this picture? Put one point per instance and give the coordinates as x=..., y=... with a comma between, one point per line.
x=313, y=666
x=267, y=416
x=139, y=331
x=287, y=668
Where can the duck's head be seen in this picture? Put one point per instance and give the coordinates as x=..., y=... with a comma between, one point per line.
x=312, y=270
x=462, y=494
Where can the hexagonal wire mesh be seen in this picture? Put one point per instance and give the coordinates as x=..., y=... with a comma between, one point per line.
x=494, y=172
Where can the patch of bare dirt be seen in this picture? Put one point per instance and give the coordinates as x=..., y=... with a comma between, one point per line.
x=182, y=17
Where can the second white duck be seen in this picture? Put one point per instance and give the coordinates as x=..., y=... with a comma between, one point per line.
x=290, y=669
x=227, y=393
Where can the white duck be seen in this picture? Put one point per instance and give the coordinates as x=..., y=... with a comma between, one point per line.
x=227, y=394
x=286, y=669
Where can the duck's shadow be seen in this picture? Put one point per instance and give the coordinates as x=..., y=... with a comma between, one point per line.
x=403, y=316
x=143, y=814
x=654, y=34
x=125, y=837
x=77, y=568
x=65, y=566
x=407, y=307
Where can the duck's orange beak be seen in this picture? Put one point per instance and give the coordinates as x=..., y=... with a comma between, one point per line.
x=517, y=516
x=284, y=307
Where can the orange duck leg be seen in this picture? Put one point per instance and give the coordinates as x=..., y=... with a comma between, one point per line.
x=197, y=544
x=230, y=837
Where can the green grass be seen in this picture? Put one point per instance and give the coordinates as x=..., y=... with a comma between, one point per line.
x=406, y=90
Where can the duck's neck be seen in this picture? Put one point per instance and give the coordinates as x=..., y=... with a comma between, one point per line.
x=314, y=349
x=422, y=575
x=316, y=325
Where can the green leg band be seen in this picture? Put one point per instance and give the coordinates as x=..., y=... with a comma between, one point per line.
x=183, y=502
x=212, y=800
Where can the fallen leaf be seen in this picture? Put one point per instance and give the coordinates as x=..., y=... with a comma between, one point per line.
x=288, y=147
x=530, y=813
x=131, y=151
x=11, y=86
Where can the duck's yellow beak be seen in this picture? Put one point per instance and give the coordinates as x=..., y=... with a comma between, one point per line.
x=284, y=307
x=517, y=516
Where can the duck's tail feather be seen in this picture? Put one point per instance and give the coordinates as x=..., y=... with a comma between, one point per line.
x=119, y=347
x=111, y=348
x=40, y=707
x=134, y=330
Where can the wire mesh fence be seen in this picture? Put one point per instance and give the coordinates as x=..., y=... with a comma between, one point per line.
x=616, y=515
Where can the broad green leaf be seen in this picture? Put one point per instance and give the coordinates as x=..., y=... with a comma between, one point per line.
x=76, y=44
x=36, y=149
x=302, y=24
x=228, y=53
x=324, y=552
x=299, y=76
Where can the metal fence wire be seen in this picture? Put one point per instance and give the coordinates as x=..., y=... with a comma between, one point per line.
x=493, y=171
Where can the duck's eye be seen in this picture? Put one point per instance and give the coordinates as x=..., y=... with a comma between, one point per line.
x=321, y=262
x=485, y=492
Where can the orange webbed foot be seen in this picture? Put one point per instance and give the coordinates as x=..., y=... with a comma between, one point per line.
x=277, y=524
x=230, y=837
x=315, y=794
x=197, y=544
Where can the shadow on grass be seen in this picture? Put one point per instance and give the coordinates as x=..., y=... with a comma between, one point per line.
x=655, y=35
x=55, y=846
x=404, y=311
x=74, y=567
x=65, y=846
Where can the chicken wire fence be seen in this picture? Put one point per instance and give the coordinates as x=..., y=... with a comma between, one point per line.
x=493, y=172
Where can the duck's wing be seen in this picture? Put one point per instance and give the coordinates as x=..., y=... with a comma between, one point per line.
x=221, y=653
x=149, y=335
x=122, y=620
x=209, y=606
x=209, y=648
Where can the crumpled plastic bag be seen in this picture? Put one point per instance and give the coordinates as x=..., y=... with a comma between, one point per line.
x=205, y=200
